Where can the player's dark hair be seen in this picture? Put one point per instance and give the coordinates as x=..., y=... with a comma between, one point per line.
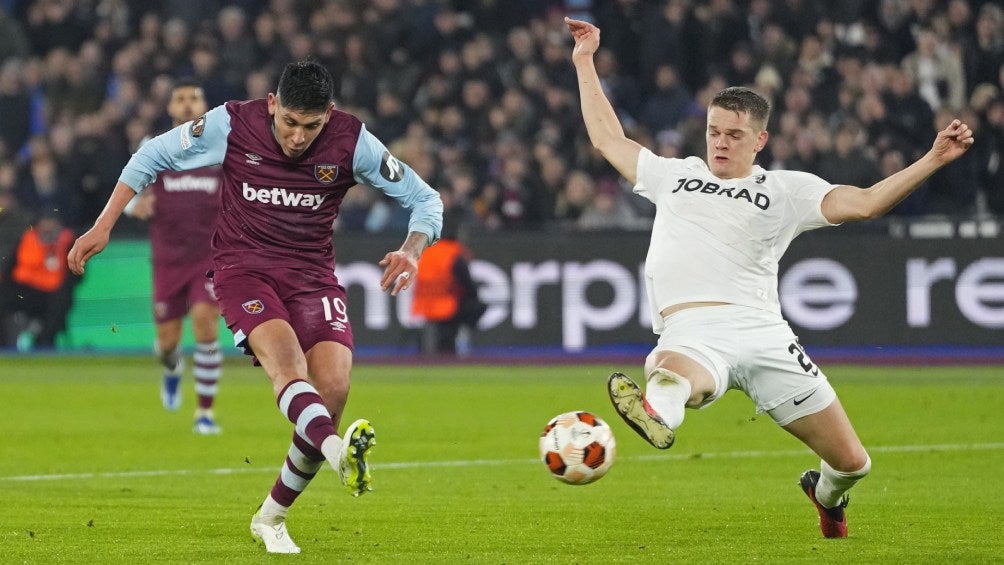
x=186, y=82
x=306, y=86
x=743, y=100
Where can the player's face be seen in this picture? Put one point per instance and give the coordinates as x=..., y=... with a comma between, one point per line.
x=733, y=143
x=186, y=104
x=295, y=130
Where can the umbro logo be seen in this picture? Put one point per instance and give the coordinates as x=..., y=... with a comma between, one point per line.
x=253, y=158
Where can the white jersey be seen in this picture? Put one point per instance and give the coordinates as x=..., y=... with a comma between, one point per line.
x=717, y=240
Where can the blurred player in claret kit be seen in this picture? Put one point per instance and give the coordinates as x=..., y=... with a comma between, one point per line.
x=288, y=161
x=721, y=225
x=182, y=208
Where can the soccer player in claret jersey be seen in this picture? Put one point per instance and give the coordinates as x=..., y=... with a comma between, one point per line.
x=182, y=208
x=288, y=161
x=721, y=225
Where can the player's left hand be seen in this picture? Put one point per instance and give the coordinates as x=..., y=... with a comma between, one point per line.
x=952, y=141
x=399, y=271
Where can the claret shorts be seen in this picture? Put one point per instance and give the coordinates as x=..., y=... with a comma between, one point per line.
x=177, y=287
x=311, y=301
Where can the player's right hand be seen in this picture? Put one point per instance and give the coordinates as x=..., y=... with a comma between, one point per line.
x=586, y=35
x=86, y=246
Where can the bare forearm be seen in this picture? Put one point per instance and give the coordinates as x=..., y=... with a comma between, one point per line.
x=597, y=112
x=117, y=202
x=889, y=192
x=415, y=244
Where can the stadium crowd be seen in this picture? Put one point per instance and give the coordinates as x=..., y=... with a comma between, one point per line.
x=480, y=98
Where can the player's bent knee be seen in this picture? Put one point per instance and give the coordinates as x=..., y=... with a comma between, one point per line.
x=864, y=468
x=651, y=363
x=860, y=469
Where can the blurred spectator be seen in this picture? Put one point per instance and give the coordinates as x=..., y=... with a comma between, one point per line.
x=720, y=29
x=777, y=49
x=667, y=30
x=207, y=71
x=38, y=294
x=579, y=192
x=13, y=219
x=985, y=55
x=13, y=42
x=909, y=114
x=54, y=24
x=237, y=48
x=609, y=210
x=937, y=71
x=15, y=106
x=848, y=163
x=41, y=189
x=796, y=17
x=891, y=39
x=993, y=168
x=668, y=103
x=194, y=12
x=445, y=295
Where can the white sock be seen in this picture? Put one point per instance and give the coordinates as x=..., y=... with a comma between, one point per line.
x=272, y=513
x=833, y=484
x=667, y=393
x=331, y=448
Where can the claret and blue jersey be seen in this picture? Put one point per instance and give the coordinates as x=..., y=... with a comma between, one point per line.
x=276, y=211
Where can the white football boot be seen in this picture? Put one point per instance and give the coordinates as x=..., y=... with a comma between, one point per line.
x=276, y=538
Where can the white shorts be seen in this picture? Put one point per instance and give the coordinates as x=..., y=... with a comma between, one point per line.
x=754, y=351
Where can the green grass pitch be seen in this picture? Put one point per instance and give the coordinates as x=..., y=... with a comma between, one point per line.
x=93, y=470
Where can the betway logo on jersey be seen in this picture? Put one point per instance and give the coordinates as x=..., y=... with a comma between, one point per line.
x=283, y=197
x=190, y=183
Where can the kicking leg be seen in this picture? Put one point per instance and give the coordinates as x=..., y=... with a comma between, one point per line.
x=330, y=366
x=675, y=381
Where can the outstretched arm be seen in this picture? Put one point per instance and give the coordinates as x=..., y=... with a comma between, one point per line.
x=850, y=203
x=96, y=238
x=605, y=131
x=185, y=147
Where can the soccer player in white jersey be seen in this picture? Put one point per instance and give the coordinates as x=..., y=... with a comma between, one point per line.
x=721, y=225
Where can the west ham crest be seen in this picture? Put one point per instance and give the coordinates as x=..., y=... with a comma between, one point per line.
x=253, y=307
x=325, y=174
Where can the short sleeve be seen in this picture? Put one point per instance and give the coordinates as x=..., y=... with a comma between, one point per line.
x=652, y=169
x=806, y=200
